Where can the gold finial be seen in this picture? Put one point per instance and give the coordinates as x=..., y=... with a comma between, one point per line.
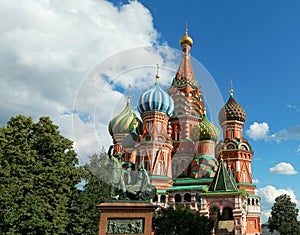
x=157, y=76
x=229, y=164
x=128, y=99
x=186, y=39
x=221, y=157
x=231, y=88
x=204, y=111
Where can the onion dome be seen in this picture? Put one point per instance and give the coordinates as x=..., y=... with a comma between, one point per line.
x=156, y=99
x=186, y=39
x=206, y=130
x=232, y=111
x=125, y=122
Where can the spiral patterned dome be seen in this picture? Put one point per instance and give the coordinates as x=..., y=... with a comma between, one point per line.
x=204, y=167
x=232, y=111
x=156, y=99
x=125, y=122
x=206, y=130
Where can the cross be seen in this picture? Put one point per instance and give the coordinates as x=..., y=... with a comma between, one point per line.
x=157, y=76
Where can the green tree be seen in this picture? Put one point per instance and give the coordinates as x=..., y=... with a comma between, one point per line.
x=94, y=191
x=182, y=221
x=38, y=177
x=284, y=216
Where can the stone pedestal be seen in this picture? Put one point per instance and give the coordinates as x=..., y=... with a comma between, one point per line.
x=126, y=217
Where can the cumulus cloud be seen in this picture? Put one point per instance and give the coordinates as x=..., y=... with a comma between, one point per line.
x=268, y=195
x=48, y=48
x=258, y=131
x=74, y=60
x=283, y=168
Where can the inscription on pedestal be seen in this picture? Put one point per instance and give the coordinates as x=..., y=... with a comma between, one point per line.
x=125, y=226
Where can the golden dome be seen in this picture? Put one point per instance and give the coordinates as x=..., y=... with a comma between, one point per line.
x=186, y=39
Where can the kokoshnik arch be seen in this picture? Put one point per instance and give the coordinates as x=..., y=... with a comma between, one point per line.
x=183, y=154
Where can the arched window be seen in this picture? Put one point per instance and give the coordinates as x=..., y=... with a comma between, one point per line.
x=187, y=197
x=155, y=199
x=177, y=198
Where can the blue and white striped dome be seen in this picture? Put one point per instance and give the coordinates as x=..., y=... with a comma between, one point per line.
x=156, y=99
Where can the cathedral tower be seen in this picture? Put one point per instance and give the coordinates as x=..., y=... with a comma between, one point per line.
x=235, y=149
x=155, y=146
x=187, y=98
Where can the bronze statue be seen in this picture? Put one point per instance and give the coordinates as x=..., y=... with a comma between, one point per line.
x=127, y=184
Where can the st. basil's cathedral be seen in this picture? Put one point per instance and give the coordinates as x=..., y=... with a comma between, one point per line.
x=183, y=154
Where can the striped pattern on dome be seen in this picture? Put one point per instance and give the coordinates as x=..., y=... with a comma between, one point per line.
x=156, y=99
x=205, y=131
x=125, y=122
x=232, y=111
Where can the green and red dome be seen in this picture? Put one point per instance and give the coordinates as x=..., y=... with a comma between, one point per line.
x=232, y=111
x=206, y=130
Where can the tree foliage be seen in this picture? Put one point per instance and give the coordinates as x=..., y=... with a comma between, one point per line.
x=284, y=216
x=182, y=221
x=94, y=191
x=38, y=177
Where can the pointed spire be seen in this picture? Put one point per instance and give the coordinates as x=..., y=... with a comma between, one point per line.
x=157, y=76
x=185, y=74
x=222, y=180
x=231, y=88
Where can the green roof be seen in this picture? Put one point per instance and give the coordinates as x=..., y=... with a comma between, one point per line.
x=198, y=181
x=160, y=191
x=203, y=188
x=160, y=177
x=223, y=181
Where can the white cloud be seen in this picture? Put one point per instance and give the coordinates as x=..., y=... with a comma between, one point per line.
x=73, y=61
x=48, y=47
x=268, y=195
x=283, y=168
x=258, y=131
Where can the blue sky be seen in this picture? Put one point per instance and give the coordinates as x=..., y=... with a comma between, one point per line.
x=51, y=53
x=256, y=43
